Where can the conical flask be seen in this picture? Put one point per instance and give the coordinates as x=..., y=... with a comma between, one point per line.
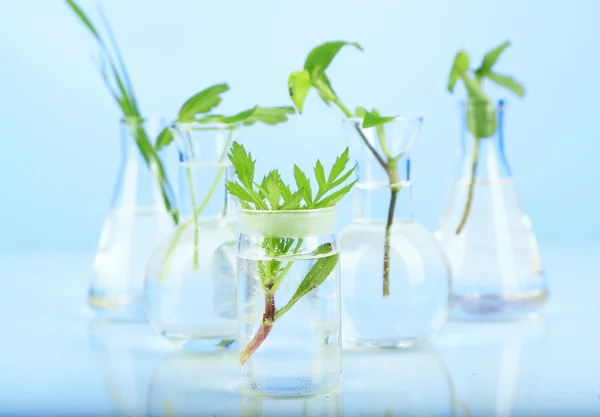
x=497, y=273
x=142, y=215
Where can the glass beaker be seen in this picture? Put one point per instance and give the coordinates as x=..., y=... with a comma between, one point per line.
x=142, y=214
x=486, y=235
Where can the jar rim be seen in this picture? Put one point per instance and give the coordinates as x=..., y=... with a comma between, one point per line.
x=195, y=125
x=499, y=104
x=288, y=223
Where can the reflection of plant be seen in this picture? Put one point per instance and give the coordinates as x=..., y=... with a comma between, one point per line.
x=313, y=75
x=481, y=115
x=272, y=194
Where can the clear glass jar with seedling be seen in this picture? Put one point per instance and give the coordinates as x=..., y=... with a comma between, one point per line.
x=485, y=233
x=288, y=277
x=396, y=281
x=191, y=280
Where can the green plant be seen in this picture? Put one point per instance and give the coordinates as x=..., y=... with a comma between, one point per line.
x=117, y=81
x=266, y=115
x=481, y=115
x=272, y=194
x=313, y=75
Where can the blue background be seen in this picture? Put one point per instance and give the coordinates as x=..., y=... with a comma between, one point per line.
x=60, y=137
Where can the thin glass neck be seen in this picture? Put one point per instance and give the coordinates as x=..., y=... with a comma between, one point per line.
x=374, y=192
x=486, y=149
x=137, y=187
x=203, y=171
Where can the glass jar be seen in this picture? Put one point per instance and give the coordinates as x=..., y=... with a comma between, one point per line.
x=190, y=282
x=288, y=302
x=142, y=214
x=485, y=233
x=396, y=281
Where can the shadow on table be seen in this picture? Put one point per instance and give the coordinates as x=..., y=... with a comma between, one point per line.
x=495, y=366
x=127, y=353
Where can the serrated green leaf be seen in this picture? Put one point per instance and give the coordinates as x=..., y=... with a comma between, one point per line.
x=238, y=191
x=459, y=66
x=242, y=163
x=302, y=182
x=507, y=82
x=334, y=198
x=284, y=190
x=298, y=86
x=270, y=185
x=320, y=58
x=293, y=203
x=202, y=102
x=343, y=178
x=490, y=59
x=320, y=175
x=338, y=166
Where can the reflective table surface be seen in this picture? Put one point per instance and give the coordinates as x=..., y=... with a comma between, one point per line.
x=58, y=358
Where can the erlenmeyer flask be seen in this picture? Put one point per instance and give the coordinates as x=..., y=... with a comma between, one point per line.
x=497, y=273
x=142, y=215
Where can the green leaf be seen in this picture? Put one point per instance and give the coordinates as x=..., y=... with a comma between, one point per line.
x=243, y=164
x=360, y=112
x=338, y=166
x=325, y=89
x=321, y=57
x=343, y=178
x=459, y=67
x=508, y=82
x=302, y=182
x=84, y=19
x=202, y=102
x=293, y=203
x=334, y=198
x=490, y=59
x=320, y=175
x=285, y=192
x=372, y=119
x=473, y=88
x=298, y=85
x=270, y=185
x=315, y=277
x=238, y=191
x=164, y=139
x=266, y=115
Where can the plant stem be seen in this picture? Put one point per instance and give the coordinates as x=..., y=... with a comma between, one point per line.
x=467, y=210
x=197, y=211
x=193, y=198
x=386, y=244
x=263, y=330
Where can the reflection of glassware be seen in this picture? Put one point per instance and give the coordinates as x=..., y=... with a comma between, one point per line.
x=137, y=222
x=195, y=384
x=487, y=236
x=392, y=383
x=408, y=305
x=190, y=284
x=289, y=301
x=320, y=405
x=126, y=352
x=495, y=366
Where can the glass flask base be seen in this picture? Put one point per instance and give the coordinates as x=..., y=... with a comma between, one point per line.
x=287, y=387
x=118, y=308
x=497, y=306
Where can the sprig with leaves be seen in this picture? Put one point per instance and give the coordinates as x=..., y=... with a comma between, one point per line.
x=273, y=194
x=114, y=73
x=481, y=114
x=313, y=76
x=196, y=110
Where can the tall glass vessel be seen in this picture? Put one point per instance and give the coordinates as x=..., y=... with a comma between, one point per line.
x=485, y=233
x=289, y=302
x=142, y=215
x=396, y=281
x=191, y=281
